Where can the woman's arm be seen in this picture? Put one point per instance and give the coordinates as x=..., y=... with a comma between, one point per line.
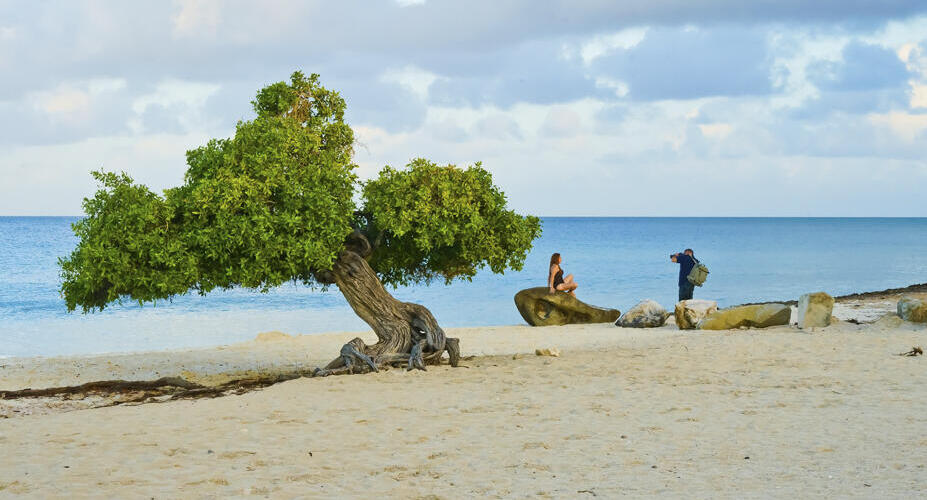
x=550, y=279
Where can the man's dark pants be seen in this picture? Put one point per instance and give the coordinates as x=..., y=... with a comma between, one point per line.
x=685, y=291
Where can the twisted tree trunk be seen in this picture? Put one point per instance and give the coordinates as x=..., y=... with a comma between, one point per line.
x=408, y=333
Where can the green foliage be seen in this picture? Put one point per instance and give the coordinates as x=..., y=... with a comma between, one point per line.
x=271, y=204
x=274, y=203
x=443, y=221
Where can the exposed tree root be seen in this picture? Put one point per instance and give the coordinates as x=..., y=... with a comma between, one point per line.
x=154, y=391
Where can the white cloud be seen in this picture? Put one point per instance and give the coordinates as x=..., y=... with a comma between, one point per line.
x=604, y=44
x=7, y=33
x=795, y=52
x=185, y=99
x=412, y=78
x=620, y=88
x=905, y=125
x=196, y=18
x=716, y=130
x=73, y=100
x=409, y=3
x=918, y=95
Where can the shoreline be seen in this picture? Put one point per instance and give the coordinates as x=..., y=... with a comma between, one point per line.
x=918, y=288
x=866, y=297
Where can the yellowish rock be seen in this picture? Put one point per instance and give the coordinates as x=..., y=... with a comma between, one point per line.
x=547, y=352
x=913, y=309
x=815, y=309
x=539, y=307
x=755, y=316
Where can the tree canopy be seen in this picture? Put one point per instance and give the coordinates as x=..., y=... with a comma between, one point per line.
x=276, y=203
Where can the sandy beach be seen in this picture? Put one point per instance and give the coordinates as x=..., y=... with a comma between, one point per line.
x=779, y=412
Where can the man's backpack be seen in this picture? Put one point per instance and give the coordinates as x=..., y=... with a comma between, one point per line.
x=698, y=274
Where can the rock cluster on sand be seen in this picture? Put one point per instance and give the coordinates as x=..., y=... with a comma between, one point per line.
x=815, y=309
x=646, y=314
x=689, y=313
x=539, y=307
x=755, y=316
x=912, y=309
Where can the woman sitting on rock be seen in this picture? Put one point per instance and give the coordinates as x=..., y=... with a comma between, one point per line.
x=555, y=279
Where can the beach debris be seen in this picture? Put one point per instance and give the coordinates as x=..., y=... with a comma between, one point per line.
x=547, y=352
x=587, y=491
x=755, y=316
x=915, y=351
x=539, y=307
x=912, y=309
x=815, y=309
x=646, y=314
x=688, y=313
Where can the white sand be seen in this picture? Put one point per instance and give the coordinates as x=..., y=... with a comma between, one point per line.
x=830, y=413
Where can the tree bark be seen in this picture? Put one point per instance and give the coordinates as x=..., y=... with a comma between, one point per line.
x=407, y=333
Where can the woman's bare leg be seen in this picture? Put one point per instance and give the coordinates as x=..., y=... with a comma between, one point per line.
x=569, y=288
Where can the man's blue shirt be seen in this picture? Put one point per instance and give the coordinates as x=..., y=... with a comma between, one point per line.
x=686, y=264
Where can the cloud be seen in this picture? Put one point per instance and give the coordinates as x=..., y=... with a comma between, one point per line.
x=172, y=103
x=862, y=67
x=411, y=78
x=716, y=130
x=905, y=125
x=604, y=44
x=645, y=92
x=680, y=63
x=196, y=18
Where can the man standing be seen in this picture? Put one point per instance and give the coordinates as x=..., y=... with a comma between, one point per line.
x=686, y=261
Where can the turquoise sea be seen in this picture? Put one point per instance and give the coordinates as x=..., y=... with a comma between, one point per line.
x=616, y=261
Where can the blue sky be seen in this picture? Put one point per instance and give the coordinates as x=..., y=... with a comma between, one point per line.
x=660, y=108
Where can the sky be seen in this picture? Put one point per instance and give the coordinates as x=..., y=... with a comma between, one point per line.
x=578, y=108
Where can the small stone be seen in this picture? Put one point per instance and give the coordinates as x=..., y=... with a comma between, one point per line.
x=646, y=314
x=912, y=309
x=547, y=352
x=209, y=452
x=815, y=309
x=688, y=313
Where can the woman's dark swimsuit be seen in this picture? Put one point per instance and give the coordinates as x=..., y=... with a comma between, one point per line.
x=558, y=278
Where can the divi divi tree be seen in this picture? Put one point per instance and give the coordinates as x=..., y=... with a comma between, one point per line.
x=276, y=203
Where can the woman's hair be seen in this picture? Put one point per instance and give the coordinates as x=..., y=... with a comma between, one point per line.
x=555, y=258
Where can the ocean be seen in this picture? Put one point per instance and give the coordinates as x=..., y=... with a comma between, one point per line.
x=616, y=261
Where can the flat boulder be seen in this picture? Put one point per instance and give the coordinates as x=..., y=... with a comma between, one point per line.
x=539, y=307
x=755, y=316
x=689, y=313
x=913, y=309
x=815, y=309
x=646, y=314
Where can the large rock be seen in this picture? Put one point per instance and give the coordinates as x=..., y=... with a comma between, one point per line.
x=815, y=309
x=646, y=314
x=688, y=313
x=913, y=309
x=755, y=316
x=539, y=307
